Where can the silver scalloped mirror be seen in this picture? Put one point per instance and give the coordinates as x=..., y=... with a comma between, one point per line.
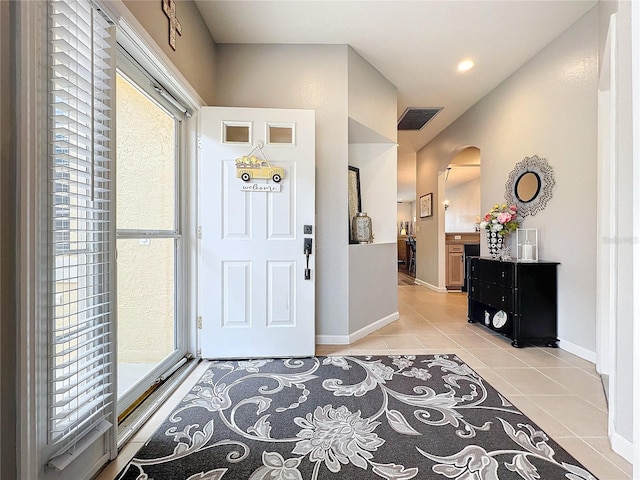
x=530, y=185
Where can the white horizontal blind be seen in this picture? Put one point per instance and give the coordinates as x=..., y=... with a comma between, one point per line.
x=80, y=387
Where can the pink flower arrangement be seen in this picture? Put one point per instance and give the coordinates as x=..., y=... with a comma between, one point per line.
x=502, y=219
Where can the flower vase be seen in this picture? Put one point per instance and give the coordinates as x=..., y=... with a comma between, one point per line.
x=494, y=242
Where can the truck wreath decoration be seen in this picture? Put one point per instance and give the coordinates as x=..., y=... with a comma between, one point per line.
x=249, y=167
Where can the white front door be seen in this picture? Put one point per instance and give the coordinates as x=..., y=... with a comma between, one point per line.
x=256, y=298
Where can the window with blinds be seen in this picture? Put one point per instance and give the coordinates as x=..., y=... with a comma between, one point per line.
x=80, y=391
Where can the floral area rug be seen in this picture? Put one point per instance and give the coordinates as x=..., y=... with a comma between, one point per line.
x=395, y=417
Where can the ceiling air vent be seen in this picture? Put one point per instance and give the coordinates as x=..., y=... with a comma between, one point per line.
x=416, y=118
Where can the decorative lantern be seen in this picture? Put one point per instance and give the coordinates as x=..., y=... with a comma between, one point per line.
x=527, y=244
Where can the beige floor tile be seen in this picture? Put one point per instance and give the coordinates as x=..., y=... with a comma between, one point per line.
x=369, y=342
x=437, y=341
x=365, y=352
x=471, y=341
x=540, y=357
x=573, y=359
x=456, y=328
x=397, y=342
x=424, y=329
x=582, y=418
x=496, y=357
x=469, y=359
x=395, y=328
x=531, y=382
x=496, y=381
x=112, y=468
x=580, y=382
x=325, y=350
x=546, y=422
x=442, y=319
x=592, y=459
x=408, y=351
x=603, y=447
x=498, y=340
x=445, y=351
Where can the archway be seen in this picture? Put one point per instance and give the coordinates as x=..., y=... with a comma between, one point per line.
x=461, y=208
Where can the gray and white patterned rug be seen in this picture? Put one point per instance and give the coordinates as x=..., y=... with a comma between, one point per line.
x=395, y=417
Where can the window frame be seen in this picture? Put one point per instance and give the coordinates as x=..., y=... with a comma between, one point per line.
x=30, y=19
x=148, y=86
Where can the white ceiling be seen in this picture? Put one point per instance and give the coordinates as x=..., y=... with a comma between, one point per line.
x=416, y=45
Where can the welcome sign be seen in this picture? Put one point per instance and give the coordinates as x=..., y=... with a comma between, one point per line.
x=260, y=187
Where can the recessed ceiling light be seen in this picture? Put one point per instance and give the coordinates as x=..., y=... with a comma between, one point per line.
x=465, y=65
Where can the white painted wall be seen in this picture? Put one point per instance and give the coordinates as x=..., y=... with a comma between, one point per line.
x=377, y=164
x=549, y=108
x=464, y=206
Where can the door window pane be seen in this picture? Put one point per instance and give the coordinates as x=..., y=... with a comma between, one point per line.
x=280, y=134
x=237, y=133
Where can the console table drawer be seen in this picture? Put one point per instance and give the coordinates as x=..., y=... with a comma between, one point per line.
x=497, y=296
x=493, y=271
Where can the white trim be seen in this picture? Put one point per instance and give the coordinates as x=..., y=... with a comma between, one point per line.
x=31, y=137
x=417, y=281
x=136, y=40
x=606, y=249
x=622, y=447
x=634, y=457
x=332, y=339
x=577, y=350
x=372, y=327
x=358, y=334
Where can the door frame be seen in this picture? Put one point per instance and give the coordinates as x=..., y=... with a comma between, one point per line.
x=254, y=143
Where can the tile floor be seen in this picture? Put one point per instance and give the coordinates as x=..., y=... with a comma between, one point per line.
x=562, y=393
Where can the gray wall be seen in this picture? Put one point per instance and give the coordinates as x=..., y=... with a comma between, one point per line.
x=195, y=53
x=428, y=236
x=548, y=108
x=310, y=77
x=8, y=296
x=372, y=98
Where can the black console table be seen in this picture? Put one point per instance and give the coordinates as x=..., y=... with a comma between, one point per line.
x=516, y=299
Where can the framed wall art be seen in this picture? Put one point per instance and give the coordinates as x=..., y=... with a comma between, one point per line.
x=426, y=205
x=355, y=201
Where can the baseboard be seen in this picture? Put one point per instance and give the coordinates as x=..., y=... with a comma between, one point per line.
x=622, y=447
x=357, y=335
x=578, y=350
x=372, y=327
x=417, y=281
x=332, y=339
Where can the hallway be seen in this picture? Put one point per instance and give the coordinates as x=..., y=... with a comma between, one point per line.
x=560, y=392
